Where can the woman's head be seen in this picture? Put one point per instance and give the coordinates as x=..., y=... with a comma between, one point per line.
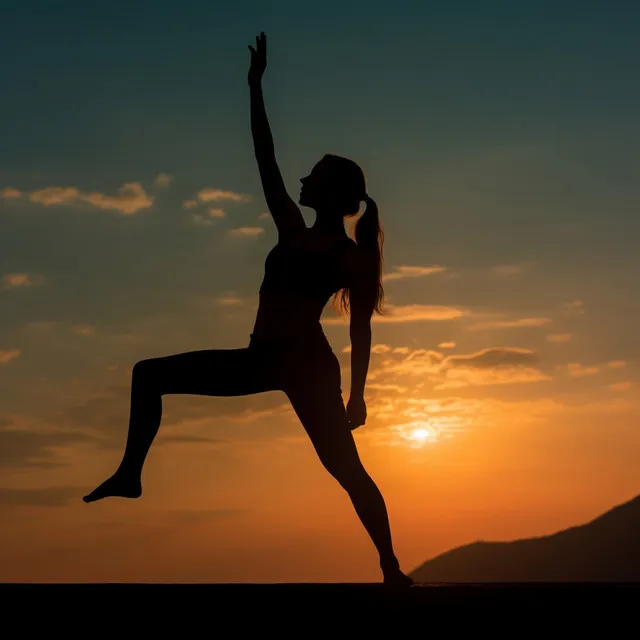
x=336, y=186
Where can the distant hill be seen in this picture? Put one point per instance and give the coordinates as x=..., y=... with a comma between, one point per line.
x=606, y=549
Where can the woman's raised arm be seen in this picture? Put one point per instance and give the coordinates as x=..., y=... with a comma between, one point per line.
x=284, y=210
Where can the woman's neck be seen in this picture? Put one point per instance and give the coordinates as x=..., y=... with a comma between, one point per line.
x=327, y=224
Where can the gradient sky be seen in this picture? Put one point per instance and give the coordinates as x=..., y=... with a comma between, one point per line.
x=500, y=141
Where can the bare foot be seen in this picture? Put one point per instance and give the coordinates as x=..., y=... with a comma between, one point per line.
x=397, y=579
x=118, y=485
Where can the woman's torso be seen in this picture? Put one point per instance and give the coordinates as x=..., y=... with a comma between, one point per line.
x=302, y=272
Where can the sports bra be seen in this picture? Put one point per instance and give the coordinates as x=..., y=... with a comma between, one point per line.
x=301, y=272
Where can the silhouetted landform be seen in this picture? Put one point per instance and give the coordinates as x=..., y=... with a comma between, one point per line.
x=606, y=549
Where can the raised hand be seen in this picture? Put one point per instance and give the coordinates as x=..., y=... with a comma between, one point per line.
x=258, y=59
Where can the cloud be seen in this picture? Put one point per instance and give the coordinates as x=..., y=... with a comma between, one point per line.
x=418, y=362
x=228, y=299
x=576, y=370
x=264, y=215
x=620, y=386
x=373, y=386
x=560, y=337
x=130, y=198
x=47, y=497
x=617, y=364
x=573, y=308
x=494, y=365
x=206, y=221
x=55, y=195
x=412, y=272
x=497, y=376
x=246, y=232
x=213, y=195
x=10, y=192
x=509, y=324
x=376, y=348
x=492, y=357
x=163, y=180
x=25, y=448
x=507, y=269
x=408, y=313
x=14, y=280
x=380, y=348
x=82, y=329
x=8, y=354
x=190, y=204
x=447, y=345
x=201, y=221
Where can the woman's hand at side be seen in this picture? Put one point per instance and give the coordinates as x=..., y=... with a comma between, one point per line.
x=356, y=412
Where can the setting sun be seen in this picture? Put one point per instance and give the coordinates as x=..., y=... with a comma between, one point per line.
x=419, y=435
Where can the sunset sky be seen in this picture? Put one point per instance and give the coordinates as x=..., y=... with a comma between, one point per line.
x=500, y=140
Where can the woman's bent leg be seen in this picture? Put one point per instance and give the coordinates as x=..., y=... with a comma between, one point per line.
x=221, y=372
x=322, y=413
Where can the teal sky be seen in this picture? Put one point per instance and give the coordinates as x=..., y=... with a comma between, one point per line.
x=500, y=140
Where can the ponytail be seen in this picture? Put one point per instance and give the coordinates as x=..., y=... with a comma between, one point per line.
x=369, y=237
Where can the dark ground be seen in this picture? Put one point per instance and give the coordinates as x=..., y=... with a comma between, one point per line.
x=313, y=610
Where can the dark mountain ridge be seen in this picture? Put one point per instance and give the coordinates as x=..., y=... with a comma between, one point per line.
x=606, y=549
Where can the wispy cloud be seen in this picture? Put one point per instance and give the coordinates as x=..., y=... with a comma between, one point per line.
x=573, y=308
x=47, y=497
x=446, y=345
x=30, y=448
x=620, y=386
x=201, y=221
x=7, y=355
x=17, y=280
x=10, y=192
x=207, y=219
x=617, y=364
x=130, y=198
x=578, y=370
x=409, y=313
x=246, y=232
x=509, y=324
x=404, y=271
x=492, y=357
x=228, y=299
x=490, y=366
x=560, y=337
x=163, y=180
x=493, y=367
x=82, y=329
x=213, y=195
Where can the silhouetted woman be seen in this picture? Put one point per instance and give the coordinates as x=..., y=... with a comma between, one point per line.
x=288, y=350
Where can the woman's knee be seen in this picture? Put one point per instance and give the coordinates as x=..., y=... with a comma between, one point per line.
x=147, y=371
x=347, y=470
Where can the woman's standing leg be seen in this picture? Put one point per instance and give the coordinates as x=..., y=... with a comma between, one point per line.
x=319, y=405
x=218, y=372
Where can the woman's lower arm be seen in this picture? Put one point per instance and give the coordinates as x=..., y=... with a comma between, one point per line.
x=360, y=356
